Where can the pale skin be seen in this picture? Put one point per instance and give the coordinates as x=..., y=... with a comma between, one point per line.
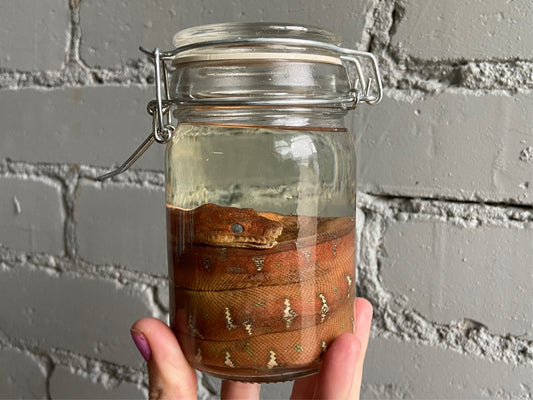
x=171, y=376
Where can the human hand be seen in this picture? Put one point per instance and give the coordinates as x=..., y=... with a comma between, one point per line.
x=171, y=376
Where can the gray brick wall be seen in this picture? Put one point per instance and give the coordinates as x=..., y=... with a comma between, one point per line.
x=445, y=179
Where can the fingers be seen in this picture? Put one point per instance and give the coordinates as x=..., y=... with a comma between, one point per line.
x=172, y=377
x=342, y=368
x=363, y=321
x=169, y=372
x=239, y=390
x=338, y=368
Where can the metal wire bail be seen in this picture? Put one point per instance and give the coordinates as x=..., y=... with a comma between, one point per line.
x=162, y=132
x=159, y=109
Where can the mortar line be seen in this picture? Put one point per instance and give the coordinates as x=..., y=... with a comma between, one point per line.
x=148, y=179
x=380, y=31
x=415, y=73
x=63, y=265
x=446, y=201
x=70, y=187
x=48, y=381
x=75, y=34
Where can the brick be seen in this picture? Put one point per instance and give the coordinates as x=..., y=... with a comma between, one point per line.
x=87, y=316
x=31, y=215
x=112, y=31
x=34, y=34
x=66, y=385
x=86, y=125
x=447, y=273
x=421, y=372
x=122, y=225
x=485, y=29
x=461, y=147
x=20, y=377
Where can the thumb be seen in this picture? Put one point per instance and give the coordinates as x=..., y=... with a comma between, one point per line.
x=169, y=373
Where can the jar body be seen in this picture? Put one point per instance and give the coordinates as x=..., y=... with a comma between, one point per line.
x=261, y=243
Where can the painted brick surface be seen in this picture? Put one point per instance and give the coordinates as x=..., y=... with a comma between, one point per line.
x=113, y=30
x=444, y=211
x=66, y=385
x=92, y=126
x=20, y=376
x=483, y=30
x=408, y=370
x=34, y=34
x=448, y=272
x=95, y=315
x=122, y=225
x=31, y=215
x=450, y=145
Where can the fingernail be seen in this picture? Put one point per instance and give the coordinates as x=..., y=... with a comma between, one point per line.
x=141, y=343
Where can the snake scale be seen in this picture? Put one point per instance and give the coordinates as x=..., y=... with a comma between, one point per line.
x=258, y=290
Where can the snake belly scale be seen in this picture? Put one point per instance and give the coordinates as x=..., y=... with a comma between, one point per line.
x=258, y=290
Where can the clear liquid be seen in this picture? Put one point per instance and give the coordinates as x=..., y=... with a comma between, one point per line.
x=285, y=170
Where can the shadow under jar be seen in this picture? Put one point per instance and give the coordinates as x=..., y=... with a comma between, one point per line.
x=261, y=197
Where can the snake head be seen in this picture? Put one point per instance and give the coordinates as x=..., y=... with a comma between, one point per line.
x=234, y=227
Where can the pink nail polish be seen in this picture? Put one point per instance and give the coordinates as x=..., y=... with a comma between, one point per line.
x=141, y=343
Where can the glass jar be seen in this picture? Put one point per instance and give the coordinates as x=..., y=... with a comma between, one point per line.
x=261, y=195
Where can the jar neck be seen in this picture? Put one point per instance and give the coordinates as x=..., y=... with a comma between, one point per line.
x=288, y=117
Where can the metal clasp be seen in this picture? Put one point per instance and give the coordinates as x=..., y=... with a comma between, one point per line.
x=159, y=109
x=362, y=90
x=362, y=87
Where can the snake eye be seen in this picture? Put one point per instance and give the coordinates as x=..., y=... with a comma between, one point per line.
x=237, y=228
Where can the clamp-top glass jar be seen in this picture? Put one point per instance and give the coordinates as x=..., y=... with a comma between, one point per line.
x=260, y=194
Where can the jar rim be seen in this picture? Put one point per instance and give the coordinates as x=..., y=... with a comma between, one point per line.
x=265, y=51
x=237, y=30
